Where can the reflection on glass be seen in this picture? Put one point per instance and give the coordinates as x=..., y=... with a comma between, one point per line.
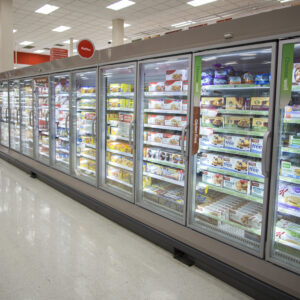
x=4, y=119
x=165, y=102
x=14, y=108
x=286, y=232
x=86, y=99
x=26, y=117
x=229, y=184
x=119, y=102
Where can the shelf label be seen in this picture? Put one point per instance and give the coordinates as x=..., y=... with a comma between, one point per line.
x=286, y=74
x=196, y=112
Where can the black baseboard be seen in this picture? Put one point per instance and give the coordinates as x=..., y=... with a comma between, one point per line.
x=241, y=281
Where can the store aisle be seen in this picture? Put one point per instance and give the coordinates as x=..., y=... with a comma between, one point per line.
x=52, y=247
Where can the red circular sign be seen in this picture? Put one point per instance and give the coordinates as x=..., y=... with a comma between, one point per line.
x=86, y=49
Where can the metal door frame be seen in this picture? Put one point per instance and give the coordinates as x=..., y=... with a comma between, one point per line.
x=192, y=183
x=140, y=140
x=275, y=165
x=8, y=120
x=102, y=132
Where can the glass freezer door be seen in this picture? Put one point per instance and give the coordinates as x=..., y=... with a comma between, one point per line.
x=85, y=102
x=14, y=108
x=233, y=94
x=285, y=206
x=42, y=117
x=118, y=138
x=164, y=99
x=4, y=119
x=26, y=94
x=60, y=87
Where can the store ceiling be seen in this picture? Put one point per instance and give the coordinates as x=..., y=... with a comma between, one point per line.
x=91, y=19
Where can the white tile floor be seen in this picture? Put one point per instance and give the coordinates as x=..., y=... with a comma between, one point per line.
x=52, y=247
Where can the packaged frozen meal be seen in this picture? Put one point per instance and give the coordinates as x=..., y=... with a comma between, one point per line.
x=260, y=103
x=290, y=169
x=155, y=137
x=289, y=196
x=235, y=80
x=256, y=145
x=172, y=104
x=212, y=122
x=294, y=141
x=212, y=102
x=211, y=160
x=176, y=75
x=156, y=120
x=185, y=86
x=292, y=112
x=234, y=103
x=247, y=78
x=173, y=86
x=156, y=86
x=214, y=140
x=171, y=139
x=237, y=143
x=289, y=233
x=260, y=124
x=237, y=122
x=236, y=184
x=235, y=164
x=254, y=168
x=257, y=189
x=262, y=79
x=212, y=178
x=156, y=104
x=175, y=121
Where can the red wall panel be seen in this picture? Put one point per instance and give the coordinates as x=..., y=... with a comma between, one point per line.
x=26, y=58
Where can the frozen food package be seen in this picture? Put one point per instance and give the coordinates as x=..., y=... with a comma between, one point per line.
x=219, y=81
x=237, y=143
x=173, y=86
x=247, y=78
x=288, y=233
x=156, y=86
x=171, y=139
x=212, y=178
x=254, y=168
x=155, y=137
x=260, y=124
x=257, y=189
x=176, y=75
x=289, y=196
x=290, y=169
x=185, y=86
x=207, y=73
x=172, y=104
x=115, y=87
x=175, y=121
x=292, y=112
x=294, y=141
x=296, y=74
x=211, y=160
x=235, y=80
x=207, y=81
x=235, y=164
x=234, y=103
x=156, y=120
x=212, y=122
x=262, y=79
x=260, y=103
x=156, y=104
x=220, y=73
x=212, y=102
x=236, y=184
x=237, y=122
x=214, y=140
x=256, y=145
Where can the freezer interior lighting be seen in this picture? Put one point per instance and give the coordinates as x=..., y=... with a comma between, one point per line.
x=283, y=1
x=26, y=43
x=39, y=51
x=15, y=30
x=181, y=24
x=47, y=9
x=230, y=63
x=68, y=41
x=61, y=28
x=125, y=25
x=248, y=57
x=209, y=58
x=196, y=3
x=120, y=4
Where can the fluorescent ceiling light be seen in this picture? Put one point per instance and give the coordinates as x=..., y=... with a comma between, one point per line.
x=125, y=25
x=283, y=1
x=230, y=63
x=15, y=30
x=61, y=28
x=68, y=41
x=200, y=2
x=209, y=58
x=47, y=9
x=120, y=4
x=185, y=23
x=26, y=43
x=39, y=51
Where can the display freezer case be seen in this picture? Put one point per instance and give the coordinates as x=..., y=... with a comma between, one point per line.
x=60, y=121
x=14, y=114
x=4, y=118
x=230, y=154
x=42, y=118
x=284, y=226
x=118, y=84
x=26, y=101
x=84, y=97
x=162, y=137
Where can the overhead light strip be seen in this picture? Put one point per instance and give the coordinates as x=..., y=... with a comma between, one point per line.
x=61, y=28
x=196, y=3
x=120, y=4
x=47, y=9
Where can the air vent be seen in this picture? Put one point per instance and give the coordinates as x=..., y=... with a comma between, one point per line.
x=28, y=47
x=59, y=45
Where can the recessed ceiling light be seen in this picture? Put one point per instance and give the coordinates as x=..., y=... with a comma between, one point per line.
x=125, y=39
x=125, y=25
x=47, y=9
x=39, y=51
x=120, y=4
x=200, y=2
x=26, y=43
x=181, y=24
x=15, y=30
x=68, y=41
x=61, y=28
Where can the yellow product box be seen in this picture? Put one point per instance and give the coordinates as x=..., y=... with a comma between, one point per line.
x=260, y=124
x=125, y=87
x=108, y=156
x=113, y=102
x=237, y=122
x=83, y=162
x=92, y=165
x=260, y=103
x=234, y=103
x=117, y=159
x=115, y=87
x=90, y=152
x=127, y=162
x=108, y=130
x=146, y=181
x=114, y=130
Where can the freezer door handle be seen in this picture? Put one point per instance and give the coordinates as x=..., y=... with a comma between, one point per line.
x=66, y=123
x=6, y=115
x=30, y=118
x=265, y=156
x=18, y=115
x=183, y=135
x=93, y=127
x=47, y=120
x=131, y=128
x=1, y=119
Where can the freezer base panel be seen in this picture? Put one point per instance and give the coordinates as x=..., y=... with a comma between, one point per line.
x=236, y=275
